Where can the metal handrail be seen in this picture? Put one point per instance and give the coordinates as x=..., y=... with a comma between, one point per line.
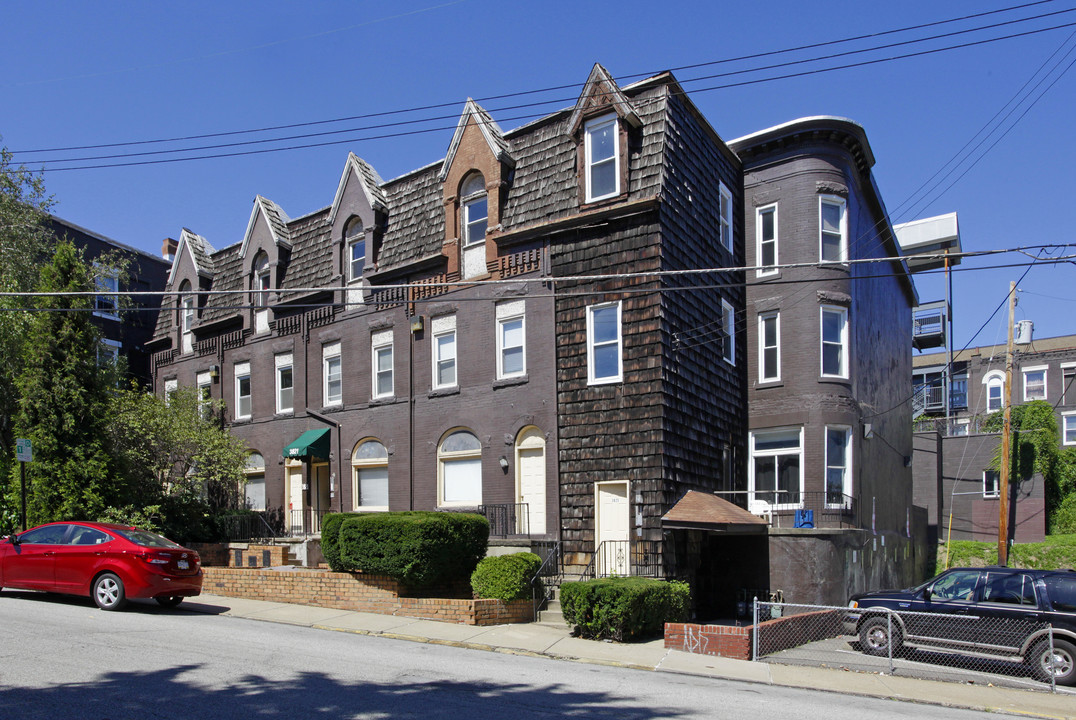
x=553, y=559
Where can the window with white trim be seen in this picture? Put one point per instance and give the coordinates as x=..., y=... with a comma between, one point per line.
x=186, y=318
x=242, y=391
x=995, y=386
x=834, y=329
x=254, y=487
x=833, y=235
x=604, y=361
x=261, y=280
x=838, y=465
x=459, y=464
x=991, y=484
x=1068, y=428
x=108, y=352
x=204, y=381
x=769, y=347
x=511, y=343
x=961, y=427
x=775, y=476
x=602, y=149
x=370, y=475
x=728, y=333
x=170, y=386
x=332, y=380
x=382, y=363
x=766, y=240
x=724, y=216
x=1034, y=383
x=474, y=217
x=106, y=306
x=355, y=238
x=285, y=383
x=444, y=352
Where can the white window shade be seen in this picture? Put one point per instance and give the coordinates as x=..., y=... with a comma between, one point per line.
x=462, y=481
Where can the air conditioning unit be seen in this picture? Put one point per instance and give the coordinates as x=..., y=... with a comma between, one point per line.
x=1022, y=332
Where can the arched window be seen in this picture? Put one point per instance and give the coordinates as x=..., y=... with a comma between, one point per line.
x=370, y=475
x=355, y=240
x=254, y=488
x=474, y=216
x=186, y=317
x=995, y=386
x=459, y=469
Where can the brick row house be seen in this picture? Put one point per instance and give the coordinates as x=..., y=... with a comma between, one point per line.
x=551, y=325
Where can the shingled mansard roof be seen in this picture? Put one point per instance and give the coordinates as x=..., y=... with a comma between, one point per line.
x=544, y=188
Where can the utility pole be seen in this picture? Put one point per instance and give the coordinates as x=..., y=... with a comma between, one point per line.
x=1006, y=449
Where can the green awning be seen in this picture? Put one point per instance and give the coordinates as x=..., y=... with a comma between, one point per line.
x=311, y=444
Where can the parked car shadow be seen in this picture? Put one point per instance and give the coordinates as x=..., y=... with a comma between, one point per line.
x=136, y=606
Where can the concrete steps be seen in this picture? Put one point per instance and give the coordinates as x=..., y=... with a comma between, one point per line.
x=552, y=614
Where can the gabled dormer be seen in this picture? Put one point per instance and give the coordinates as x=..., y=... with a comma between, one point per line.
x=475, y=178
x=192, y=270
x=264, y=255
x=357, y=218
x=601, y=125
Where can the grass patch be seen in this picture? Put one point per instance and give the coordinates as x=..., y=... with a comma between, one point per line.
x=1056, y=552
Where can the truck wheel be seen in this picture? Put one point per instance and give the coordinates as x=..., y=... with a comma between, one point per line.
x=874, y=636
x=1062, y=664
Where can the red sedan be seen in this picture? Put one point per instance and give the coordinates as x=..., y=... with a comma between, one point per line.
x=110, y=563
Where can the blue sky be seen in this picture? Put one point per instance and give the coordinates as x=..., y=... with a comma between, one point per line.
x=76, y=73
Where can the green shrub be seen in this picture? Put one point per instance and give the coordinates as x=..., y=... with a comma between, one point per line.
x=505, y=577
x=417, y=548
x=623, y=608
x=1055, y=552
x=330, y=539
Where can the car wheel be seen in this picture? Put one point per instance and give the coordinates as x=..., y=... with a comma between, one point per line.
x=1062, y=664
x=169, y=601
x=874, y=636
x=108, y=592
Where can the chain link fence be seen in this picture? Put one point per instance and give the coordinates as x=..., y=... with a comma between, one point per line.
x=1007, y=650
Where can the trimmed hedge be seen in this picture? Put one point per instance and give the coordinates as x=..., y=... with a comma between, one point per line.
x=417, y=548
x=623, y=608
x=505, y=577
x=330, y=538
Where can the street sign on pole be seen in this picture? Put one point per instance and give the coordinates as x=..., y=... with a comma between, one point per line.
x=24, y=451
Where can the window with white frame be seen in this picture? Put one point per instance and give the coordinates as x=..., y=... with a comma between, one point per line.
x=242, y=391
x=991, y=484
x=834, y=341
x=444, y=351
x=602, y=149
x=261, y=280
x=459, y=462
x=995, y=386
x=370, y=475
x=170, y=386
x=1068, y=383
x=186, y=318
x=254, y=487
x=107, y=305
x=724, y=216
x=474, y=218
x=285, y=383
x=838, y=465
x=108, y=352
x=769, y=347
x=355, y=238
x=604, y=361
x=766, y=240
x=332, y=382
x=728, y=333
x=1034, y=383
x=961, y=427
x=511, y=345
x=833, y=229
x=204, y=381
x=1068, y=428
x=776, y=472
x=381, y=361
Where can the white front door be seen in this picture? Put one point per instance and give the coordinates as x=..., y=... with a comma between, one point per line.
x=293, y=477
x=612, y=529
x=530, y=466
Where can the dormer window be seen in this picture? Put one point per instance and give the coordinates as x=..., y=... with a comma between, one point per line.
x=261, y=280
x=186, y=317
x=602, y=158
x=474, y=219
x=355, y=238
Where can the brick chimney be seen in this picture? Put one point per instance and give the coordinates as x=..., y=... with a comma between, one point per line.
x=168, y=249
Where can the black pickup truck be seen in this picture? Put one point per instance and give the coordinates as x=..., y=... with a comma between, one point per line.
x=989, y=612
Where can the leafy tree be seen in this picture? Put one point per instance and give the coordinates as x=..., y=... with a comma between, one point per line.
x=183, y=466
x=63, y=400
x=24, y=238
x=1035, y=447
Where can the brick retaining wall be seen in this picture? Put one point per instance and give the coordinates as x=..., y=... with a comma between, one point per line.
x=735, y=642
x=364, y=593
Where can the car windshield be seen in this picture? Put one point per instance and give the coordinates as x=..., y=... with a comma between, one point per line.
x=147, y=538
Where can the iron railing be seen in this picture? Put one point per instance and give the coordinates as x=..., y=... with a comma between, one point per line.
x=639, y=558
x=249, y=526
x=306, y=521
x=550, y=573
x=804, y=510
x=507, y=519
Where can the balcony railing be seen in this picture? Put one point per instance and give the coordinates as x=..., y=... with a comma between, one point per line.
x=507, y=519
x=638, y=558
x=802, y=510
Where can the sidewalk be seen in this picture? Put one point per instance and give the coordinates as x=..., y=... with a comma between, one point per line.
x=555, y=642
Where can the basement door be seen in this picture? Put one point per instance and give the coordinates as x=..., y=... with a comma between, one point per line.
x=530, y=464
x=613, y=543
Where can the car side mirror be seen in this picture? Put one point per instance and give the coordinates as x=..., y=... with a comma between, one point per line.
x=13, y=539
x=927, y=593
